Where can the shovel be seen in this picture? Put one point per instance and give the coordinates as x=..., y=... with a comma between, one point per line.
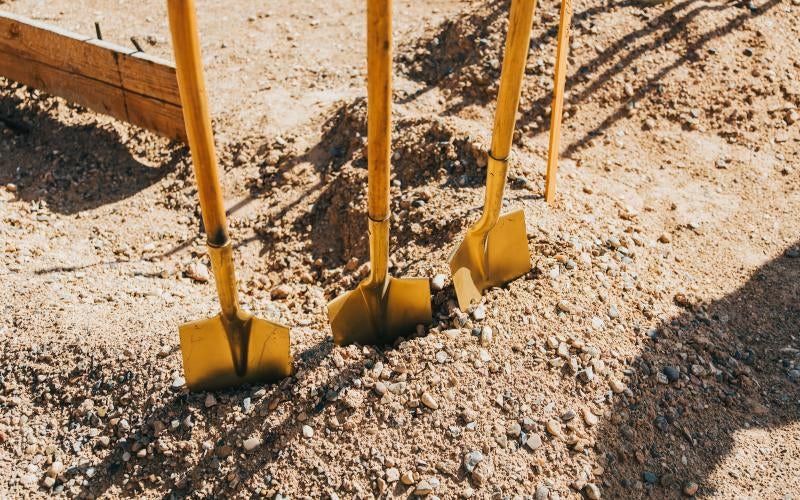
x=233, y=347
x=495, y=249
x=558, y=100
x=381, y=308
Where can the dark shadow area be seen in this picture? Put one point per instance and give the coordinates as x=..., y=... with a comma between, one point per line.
x=73, y=167
x=218, y=470
x=731, y=364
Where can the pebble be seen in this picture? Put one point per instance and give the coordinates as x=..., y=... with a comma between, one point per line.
x=597, y=323
x=542, y=492
x=251, y=443
x=673, y=373
x=280, y=292
x=616, y=386
x=407, y=478
x=690, y=488
x=514, y=429
x=592, y=491
x=472, y=459
x=649, y=477
x=665, y=238
x=28, y=480
x=210, y=400
x=380, y=388
x=423, y=488
x=553, y=427
x=56, y=468
x=469, y=415
x=437, y=283
x=198, y=272
x=308, y=431
x=479, y=313
x=429, y=401
x=590, y=418
x=486, y=335
x=49, y=482
x=586, y=375
x=533, y=442
x=178, y=382
x=392, y=475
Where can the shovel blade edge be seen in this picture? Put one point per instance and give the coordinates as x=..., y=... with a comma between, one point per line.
x=208, y=362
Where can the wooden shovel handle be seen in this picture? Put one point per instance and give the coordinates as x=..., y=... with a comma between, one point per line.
x=556, y=110
x=520, y=20
x=183, y=25
x=379, y=105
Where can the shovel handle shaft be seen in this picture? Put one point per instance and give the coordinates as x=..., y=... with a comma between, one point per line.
x=558, y=100
x=183, y=25
x=379, y=105
x=518, y=40
x=520, y=21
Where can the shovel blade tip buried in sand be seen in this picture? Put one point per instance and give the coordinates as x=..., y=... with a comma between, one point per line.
x=488, y=259
x=378, y=315
x=209, y=361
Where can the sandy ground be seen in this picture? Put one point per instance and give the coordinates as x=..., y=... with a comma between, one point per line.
x=652, y=351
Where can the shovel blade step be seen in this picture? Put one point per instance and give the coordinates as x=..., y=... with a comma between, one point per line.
x=492, y=259
x=372, y=315
x=208, y=362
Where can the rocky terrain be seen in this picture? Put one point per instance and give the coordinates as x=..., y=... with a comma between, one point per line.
x=652, y=351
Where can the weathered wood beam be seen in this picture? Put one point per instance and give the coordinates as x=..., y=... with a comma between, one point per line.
x=107, y=78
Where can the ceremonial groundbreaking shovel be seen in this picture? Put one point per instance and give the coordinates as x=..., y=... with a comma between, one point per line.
x=495, y=249
x=381, y=308
x=233, y=347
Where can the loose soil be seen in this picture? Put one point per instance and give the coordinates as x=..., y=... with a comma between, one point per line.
x=652, y=351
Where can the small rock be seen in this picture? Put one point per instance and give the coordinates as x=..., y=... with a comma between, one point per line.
x=423, y=488
x=49, y=482
x=479, y=313
x=407, y=478
x=690, y=488
x=56, y=468
x=392, y=475
x=472, y=459
x=592, y=491
x=380, y=388
x=590, y=418
x=308, y=431
x=429, y=401
x=486, y=335
x=673, y=373
x=210, y=400
x=514, y=429
x=178, y=382
x=649, y=477
x=280, y=292
x=616, y=386
x=665, y=238
x=553, y=427
x=542, y=492
x=437, y=283
x=198, y=272
x=469, y=415
x=251, y=443
x=533, y=442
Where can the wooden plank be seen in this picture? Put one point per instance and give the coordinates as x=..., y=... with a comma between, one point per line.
x=97, y=74
x=163, y=118
x=120, y=66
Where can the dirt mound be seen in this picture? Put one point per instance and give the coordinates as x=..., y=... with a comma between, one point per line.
x=461, y=55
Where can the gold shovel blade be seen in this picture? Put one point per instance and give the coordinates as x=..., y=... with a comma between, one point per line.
x=377, y=315
x=208, y=357
x=484, y=260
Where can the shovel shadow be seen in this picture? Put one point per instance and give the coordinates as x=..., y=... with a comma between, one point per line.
x=224, y=467
x=739, y=363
